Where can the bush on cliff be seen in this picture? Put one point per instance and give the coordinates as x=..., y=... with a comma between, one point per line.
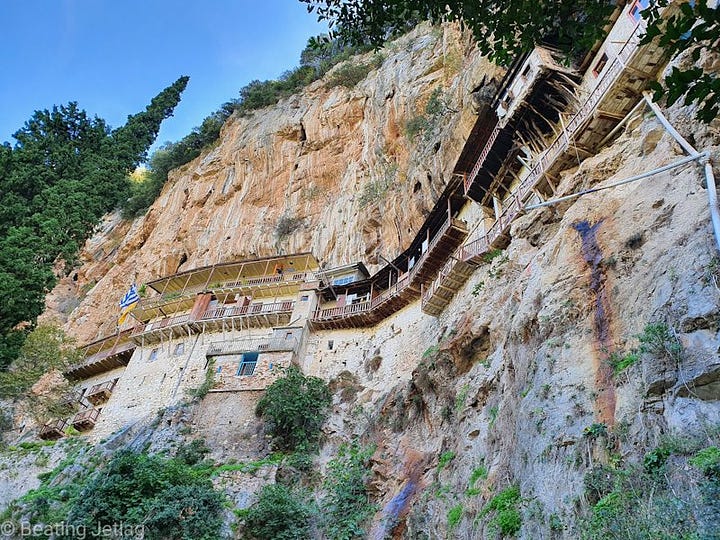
x=294, y=409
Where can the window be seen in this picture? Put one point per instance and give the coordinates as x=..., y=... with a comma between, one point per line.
x=153, y=355
x=247, y=364
x=331, y=344
x=343, y=280
x=600, y=65
x=288, y=335
x=636, y=9
x=304, y=298
x=179, y=349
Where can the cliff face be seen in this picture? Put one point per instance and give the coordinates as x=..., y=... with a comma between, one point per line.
x=330, y=170
x=517, y=384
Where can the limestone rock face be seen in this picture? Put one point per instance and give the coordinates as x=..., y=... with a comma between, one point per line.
x=334, y=163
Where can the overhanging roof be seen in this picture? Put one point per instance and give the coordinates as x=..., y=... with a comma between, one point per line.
x=204, y=275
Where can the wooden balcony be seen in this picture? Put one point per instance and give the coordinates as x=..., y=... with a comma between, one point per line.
x=85, y=419
x=103, y=355
x=450, y=236
x=366, y=313
x=446, y=240
x=53, y=430
x=450, y=279
x=615, y=94
x=285, y=284
x=239, y=346
x=100, y=393
x=225, y=317
x=253, y=315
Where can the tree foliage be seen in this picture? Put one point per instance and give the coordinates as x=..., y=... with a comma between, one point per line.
x=294, y=408
x=503, y=30
x=46, y=347
x=165, y=497
x=694, y=28
x=280, y=513
x=65, y=171
x=346, y=504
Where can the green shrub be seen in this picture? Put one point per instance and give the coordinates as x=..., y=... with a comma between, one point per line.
x=708, y=461
x=658, y=340
x=654, y=461
x=376, y=189
x=506, y=507
x=477, y=289
x=201, y=391
x=594, y=431
x=479, y=472
x=165, y=496
x=430, y=351
x=620, y=363
x=555, y=523
x=287, y=225
x=351, y=73
x=294, y=409
x=454, y=516
x=193, y=452
x=280, y=513
x=598, y=482
x=445, y=458
x=346, y=506
x=637, y=502
x=47, y=347
x=493, y=414
x=427, y=124
x=416, y=125
x=492, y=255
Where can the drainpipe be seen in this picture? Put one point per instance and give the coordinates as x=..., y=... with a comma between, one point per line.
x=653, y=172
x=704, y=160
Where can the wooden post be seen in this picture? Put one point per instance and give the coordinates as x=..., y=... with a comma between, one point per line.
x=207, y=283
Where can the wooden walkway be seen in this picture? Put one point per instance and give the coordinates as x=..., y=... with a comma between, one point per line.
x=408, y=288
x=612, y=98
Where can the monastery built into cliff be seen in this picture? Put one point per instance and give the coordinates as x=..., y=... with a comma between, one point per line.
x=239, y=323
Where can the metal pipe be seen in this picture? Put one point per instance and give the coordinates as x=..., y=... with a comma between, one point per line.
x=666, y=124
x=713, y=200
x=709, y=175
x=664, y=168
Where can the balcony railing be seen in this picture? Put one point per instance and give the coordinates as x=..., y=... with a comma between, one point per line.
x=237, y=346
x=162, y=323
x=85, y=419
x=342, y=311
x=393, y=291
x=271, y=279
x=52, y=430
x=226, y=312
x=101, y=392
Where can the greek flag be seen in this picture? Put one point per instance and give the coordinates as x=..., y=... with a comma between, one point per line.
x=128, y=303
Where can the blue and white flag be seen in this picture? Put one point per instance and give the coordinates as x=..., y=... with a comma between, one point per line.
x=128, y=303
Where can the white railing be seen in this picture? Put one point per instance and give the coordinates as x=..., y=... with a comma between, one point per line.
x=262, y=344
x=226, y=312
x=271, y=279
x=481, y=159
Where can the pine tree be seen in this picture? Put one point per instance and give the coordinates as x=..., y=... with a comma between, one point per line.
x=65, y=171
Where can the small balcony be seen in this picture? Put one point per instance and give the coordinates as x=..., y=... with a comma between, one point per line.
x=239, y=346
x=53, y=430
x=258, y=315
x=100, y=393
x=85, y=419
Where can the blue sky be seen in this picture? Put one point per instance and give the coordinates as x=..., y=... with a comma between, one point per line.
x=113, y=56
